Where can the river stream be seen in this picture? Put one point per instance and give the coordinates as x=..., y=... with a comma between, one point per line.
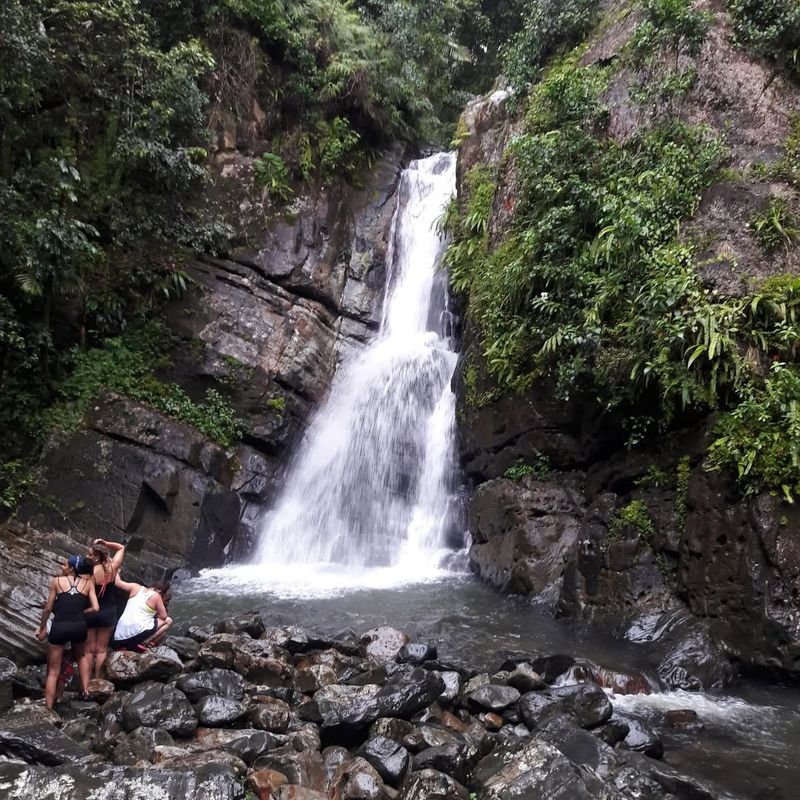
x=366, y=530
x=748, y=735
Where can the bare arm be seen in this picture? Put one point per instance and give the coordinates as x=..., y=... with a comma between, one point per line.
x=157, y=602
x=47, y=611
x=117, y=547
x=92, y=595
x=130, y=588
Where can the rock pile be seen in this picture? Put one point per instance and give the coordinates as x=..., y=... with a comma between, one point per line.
x=242, y=711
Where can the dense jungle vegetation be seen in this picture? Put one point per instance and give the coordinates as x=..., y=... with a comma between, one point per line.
x=110, y=110
x=106, y=113
x=597, y=285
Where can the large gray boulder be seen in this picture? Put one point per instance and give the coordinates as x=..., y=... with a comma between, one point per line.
x=89, y=782
x=154, y=705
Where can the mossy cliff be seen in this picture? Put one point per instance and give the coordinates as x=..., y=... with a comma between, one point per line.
x=625, y=247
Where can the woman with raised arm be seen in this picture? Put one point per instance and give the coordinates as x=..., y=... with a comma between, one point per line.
x=71, y=598
x=105, y=568
x=144, y=622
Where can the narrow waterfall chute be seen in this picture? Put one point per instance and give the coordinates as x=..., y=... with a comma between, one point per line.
x=371, y=484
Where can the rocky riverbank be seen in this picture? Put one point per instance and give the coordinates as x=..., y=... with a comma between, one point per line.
x=284, y=714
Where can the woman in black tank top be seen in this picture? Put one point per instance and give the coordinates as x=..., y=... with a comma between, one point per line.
x=105, y=568
x=71, y=598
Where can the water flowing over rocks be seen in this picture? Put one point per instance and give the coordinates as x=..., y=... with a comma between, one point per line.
x=266, y=326
x=191, y=734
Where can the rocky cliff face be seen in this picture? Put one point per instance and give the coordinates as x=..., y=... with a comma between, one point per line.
x=569, y=528
x=266, y=325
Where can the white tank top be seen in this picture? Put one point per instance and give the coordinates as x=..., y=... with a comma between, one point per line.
x=137, y=616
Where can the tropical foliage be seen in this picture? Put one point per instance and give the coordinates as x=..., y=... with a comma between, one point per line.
x=595, y=286
x=108, y=112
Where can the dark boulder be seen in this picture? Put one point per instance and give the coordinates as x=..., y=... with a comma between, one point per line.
x=695, y=663
x=248, y=622
x=185, y=646
x=218, y=682
x=38, y=742
x=269, y=714
x=455, y=759
x=109, y=729
x=219, y=712
x=154, y=705
x=585, y=703
x=124, y=668
x=530, y=770
x=580, y=746
x=432, y=785
x=140, y=745
x=389, y=758
x=91, y=781
x=246, y=744
x=305, y=769
x=613, y=731
x=642, y=737
x=29, y=682
x=452, y=686
x=358, y=706
x=356, y=779
x=8, y=671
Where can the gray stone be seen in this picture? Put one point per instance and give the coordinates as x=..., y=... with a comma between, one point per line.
x=140, y=745
x=39, y=743
x=125, y=668
x=493, y=697
x=529, y=769
x=389, y=758
x=585, y=703
x=269, y=714
x=185, y=646
x=218, y=682
x=384, y=643
x=432, y=785
x=356, y=779
x=219, y=712
x=155, y=706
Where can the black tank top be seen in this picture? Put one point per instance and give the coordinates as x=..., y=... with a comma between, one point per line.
x=70, y=607
x=105, y=594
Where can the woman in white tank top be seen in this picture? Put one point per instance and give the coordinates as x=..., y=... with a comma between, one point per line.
x=144, y=622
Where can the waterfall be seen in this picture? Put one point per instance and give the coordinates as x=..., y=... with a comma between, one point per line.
x=371, y=484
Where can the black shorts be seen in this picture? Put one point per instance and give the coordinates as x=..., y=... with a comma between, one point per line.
x=67, y=631
x=106, y=617
x=127, y=644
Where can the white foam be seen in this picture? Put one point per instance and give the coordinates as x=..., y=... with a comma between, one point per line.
x=311, y=581
x=709, y=707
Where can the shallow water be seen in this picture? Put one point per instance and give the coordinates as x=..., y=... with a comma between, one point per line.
x=748, y=736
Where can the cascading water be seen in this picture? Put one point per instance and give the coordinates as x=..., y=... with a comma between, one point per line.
x=372, y=482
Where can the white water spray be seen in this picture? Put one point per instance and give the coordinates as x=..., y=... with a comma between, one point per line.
x=371, y=483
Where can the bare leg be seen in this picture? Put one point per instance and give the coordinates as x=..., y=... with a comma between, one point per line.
x=84, y=668
x=160, y=632
x=91, y=645
x=102, y=638
x=54, y=655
